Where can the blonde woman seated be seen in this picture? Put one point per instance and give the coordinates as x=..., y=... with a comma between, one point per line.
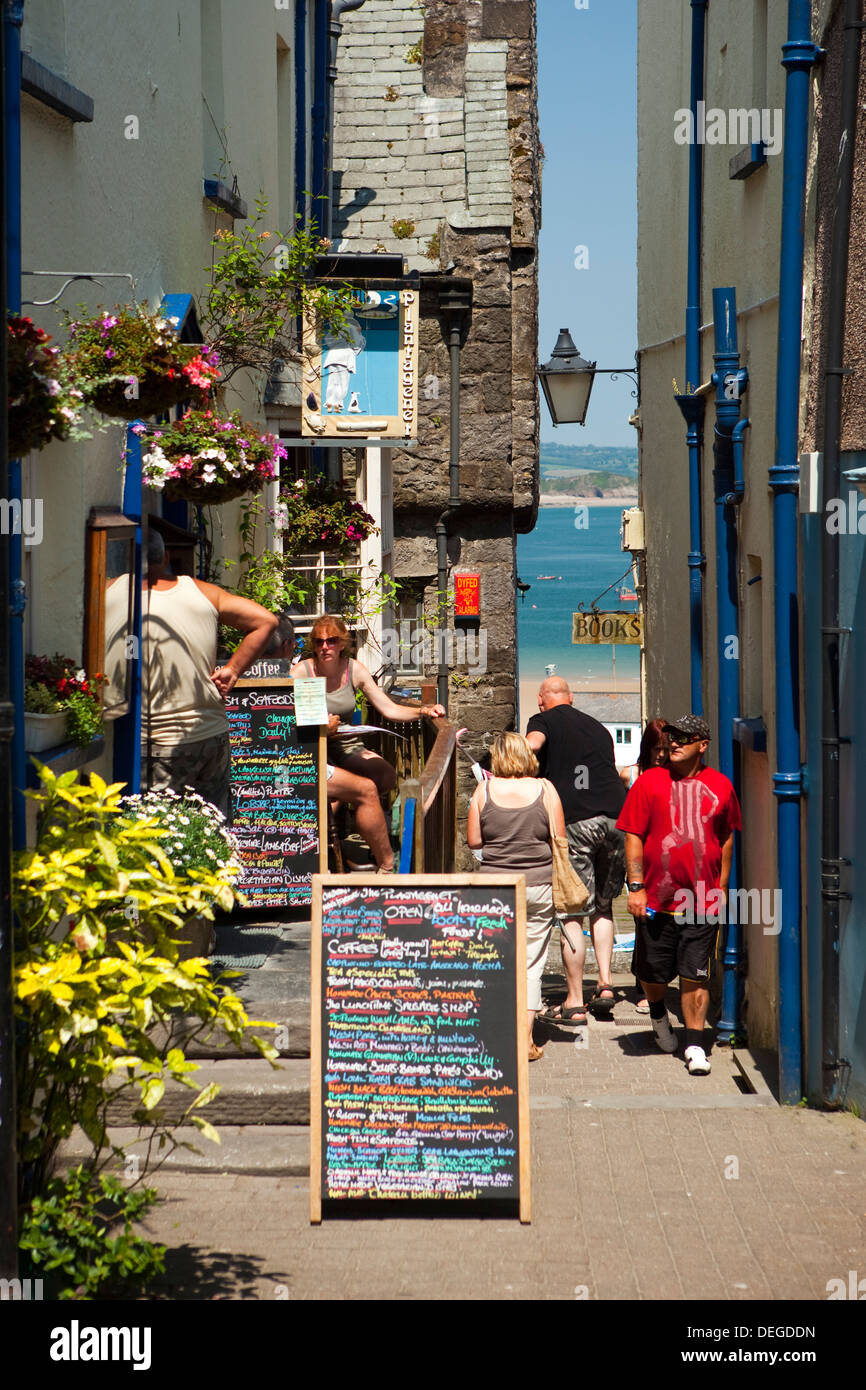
x=343, y=676
x=509, y=819
x=356, y=775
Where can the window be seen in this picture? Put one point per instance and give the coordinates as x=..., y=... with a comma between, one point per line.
x=623, y=735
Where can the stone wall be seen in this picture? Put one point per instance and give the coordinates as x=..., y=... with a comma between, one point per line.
x=439, y=160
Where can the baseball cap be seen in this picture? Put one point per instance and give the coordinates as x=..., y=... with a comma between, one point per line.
x=689, y=724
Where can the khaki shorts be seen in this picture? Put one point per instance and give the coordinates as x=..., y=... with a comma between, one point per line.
x=203, y=767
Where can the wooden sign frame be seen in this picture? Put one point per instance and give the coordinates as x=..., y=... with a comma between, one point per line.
x=283, y=682
x=617, y=628
x=397, y=427
x=397, y=881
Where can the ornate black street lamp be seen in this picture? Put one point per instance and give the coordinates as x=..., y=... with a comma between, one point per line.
x=567, y=378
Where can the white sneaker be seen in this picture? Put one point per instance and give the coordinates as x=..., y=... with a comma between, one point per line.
x=697, y=1060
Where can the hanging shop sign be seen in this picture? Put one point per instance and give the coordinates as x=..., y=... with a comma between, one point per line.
x=619, y=629
x=361, y=380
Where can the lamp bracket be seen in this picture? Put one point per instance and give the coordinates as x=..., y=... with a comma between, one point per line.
x=71, y=277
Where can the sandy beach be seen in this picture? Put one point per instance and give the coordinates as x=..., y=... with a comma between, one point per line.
x=562, y=499
x=528, y=691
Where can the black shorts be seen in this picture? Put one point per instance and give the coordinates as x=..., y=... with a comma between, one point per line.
x=665, y=948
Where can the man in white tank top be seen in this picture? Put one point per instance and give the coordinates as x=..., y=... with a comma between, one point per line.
x=184, y=725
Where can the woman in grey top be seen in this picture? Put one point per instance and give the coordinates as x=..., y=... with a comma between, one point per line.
x=356, y=775
x=509, y=819
x=343, y=676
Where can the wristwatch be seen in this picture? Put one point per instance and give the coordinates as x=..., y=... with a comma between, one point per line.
x=635, y=887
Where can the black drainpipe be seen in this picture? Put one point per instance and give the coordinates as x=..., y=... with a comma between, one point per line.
x=831, y=741
x=455, y=301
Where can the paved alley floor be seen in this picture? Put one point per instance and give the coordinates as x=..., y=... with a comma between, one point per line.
x=647, y=1184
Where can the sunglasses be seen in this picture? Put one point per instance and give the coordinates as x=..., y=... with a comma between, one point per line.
x=325, y=641
x=682, y=740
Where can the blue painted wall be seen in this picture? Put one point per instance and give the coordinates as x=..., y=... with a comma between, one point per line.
x=852, y=964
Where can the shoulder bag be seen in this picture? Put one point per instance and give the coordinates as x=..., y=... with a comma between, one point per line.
x=570, y=893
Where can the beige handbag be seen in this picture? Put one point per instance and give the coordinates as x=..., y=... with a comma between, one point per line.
x=570, y=893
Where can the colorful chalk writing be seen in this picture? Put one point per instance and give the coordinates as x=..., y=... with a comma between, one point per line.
x=275, y=795
x=419, y=1064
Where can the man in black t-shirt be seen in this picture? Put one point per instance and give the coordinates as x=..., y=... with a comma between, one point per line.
x=576, y=753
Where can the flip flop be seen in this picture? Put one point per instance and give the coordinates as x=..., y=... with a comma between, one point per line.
x=571, y=1017
x=642, y=1006
x=535, y=1053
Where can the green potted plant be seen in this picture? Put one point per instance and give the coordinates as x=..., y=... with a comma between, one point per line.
x=60, y=704
x=197, y=841
x=130, y=363
x=206, y=458
x=104, y=1020
x=42, y=405
x=44, y=718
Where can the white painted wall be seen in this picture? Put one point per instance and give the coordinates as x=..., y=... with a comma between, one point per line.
x=94, y=200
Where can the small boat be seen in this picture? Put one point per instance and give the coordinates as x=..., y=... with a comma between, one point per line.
x=547, y=576
x=628, y=595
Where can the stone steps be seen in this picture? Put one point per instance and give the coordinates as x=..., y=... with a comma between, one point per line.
x=274, y=1151
x=252, y=1092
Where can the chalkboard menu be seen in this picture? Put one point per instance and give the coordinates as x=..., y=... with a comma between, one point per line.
x=278, y=795
x=419, y=1040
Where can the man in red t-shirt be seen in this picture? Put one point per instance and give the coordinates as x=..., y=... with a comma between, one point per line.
x=679, y=824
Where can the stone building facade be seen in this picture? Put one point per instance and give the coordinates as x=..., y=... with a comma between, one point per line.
x=437, y=157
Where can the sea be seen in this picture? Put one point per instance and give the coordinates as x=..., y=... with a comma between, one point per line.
x=581, y=548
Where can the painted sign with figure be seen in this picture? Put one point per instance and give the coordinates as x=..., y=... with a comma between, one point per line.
x=615, y=628
x=361, y=379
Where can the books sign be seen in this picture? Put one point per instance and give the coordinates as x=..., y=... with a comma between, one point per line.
x=614, y=628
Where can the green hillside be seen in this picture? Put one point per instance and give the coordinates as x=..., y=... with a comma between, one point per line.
x=557, y=459
x=585, y=484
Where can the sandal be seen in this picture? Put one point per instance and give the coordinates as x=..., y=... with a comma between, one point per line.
x=642, y=1006
x=561, y=1015
x=535, y=1053
x=598, y=1003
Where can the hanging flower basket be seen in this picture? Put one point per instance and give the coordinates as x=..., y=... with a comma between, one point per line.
x=129, y=363
x=207, y=459
x=129, y=399
x=42, y=404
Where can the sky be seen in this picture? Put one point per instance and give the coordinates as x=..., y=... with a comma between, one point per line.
x=587, y=78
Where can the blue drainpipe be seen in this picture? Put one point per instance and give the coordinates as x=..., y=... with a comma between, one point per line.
x=300, y=111
x=319, y=134
x=693, y=406
x=13, y=18
x=730, y=382
x=799, y=54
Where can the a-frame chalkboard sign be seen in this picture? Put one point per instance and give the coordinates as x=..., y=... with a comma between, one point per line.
x=419, y=1086
x=278, y=781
